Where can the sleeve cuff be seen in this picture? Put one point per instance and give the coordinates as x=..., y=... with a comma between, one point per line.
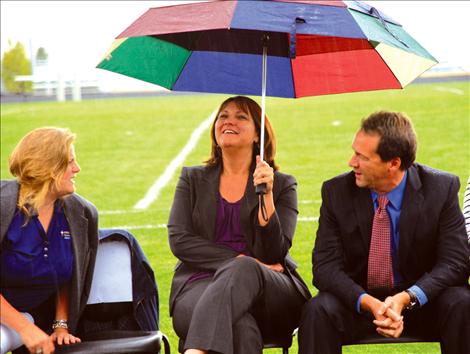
x=358, y=303
x=422, y=298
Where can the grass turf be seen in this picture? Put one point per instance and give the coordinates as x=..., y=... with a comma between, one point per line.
x=123, y=145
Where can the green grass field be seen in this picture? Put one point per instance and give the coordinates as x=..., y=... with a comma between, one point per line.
x=123, y=145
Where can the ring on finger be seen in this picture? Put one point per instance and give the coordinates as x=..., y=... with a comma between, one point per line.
x=39, y=351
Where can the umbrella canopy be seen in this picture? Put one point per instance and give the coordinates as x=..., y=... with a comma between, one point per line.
x=313, y=48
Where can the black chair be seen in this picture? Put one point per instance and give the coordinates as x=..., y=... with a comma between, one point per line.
x=284, y=345
x=111, y=342
x=283, y=342
x=268, y=343
x=378, y=339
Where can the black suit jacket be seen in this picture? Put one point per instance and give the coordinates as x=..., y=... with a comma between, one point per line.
x=192, y=222
x=433, y=250
x=82, y=217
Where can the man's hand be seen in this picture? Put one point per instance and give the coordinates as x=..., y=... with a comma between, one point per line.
x=387, y=314
x=392, y=307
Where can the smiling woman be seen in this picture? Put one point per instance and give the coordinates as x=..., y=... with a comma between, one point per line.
x=233, y=259
x=48, y=243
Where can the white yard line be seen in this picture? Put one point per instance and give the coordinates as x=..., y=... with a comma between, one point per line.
x=449, y=89
x=119, y=212
x=307, y=201
x=307, y=218
x=162, y=181
x=137, y=227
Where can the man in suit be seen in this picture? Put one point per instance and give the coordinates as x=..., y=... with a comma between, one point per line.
x=391, y=253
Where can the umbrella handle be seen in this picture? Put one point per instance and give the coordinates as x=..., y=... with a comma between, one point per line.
x=260, y=189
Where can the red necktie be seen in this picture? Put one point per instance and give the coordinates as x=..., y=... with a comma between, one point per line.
x=379, y=272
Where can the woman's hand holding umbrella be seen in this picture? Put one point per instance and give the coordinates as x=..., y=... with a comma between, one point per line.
x=264, y=174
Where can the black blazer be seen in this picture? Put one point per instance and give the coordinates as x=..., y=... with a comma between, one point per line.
x=433, y=248
x=82, y=217
x=192, y=222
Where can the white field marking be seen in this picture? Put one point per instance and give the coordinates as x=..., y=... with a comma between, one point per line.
x=154, y=190
x=118, y=212
x=163, y=226
x=139, y=227
x=307, y=201
x=307, y=218
x=12, y=111
x=449, y=89
x=336, y=123
x=22, y=110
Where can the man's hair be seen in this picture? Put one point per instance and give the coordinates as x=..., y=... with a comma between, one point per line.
x=397, y=136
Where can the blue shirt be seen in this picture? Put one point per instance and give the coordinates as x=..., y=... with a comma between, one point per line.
x=395, y=198
x=33, y=264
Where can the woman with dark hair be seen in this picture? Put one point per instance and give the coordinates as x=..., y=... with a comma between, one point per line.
x=48, y=239
x=235, y=282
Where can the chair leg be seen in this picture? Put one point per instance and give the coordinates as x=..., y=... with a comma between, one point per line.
x=285, y=350
x=166, y=344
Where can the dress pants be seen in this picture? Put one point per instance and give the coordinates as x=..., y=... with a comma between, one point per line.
x=327, y=324
x=232, y=311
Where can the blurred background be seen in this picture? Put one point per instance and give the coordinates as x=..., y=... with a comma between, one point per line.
x=52, y=47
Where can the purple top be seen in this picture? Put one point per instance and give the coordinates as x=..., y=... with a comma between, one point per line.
x=227, y=225
x=227, y=231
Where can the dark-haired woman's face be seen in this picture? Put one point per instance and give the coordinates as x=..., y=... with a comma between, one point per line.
x=235, y=128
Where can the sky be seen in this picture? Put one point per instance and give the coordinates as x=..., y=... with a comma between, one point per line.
x=76, y=34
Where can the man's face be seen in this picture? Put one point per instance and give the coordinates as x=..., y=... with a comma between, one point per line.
x=369, y=169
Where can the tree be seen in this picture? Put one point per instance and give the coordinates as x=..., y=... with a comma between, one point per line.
x=41, y=55
x=15, y=63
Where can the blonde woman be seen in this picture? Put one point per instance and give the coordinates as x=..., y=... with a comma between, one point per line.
x=49, y=237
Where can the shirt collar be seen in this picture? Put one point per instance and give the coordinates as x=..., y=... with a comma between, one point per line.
x=58, y=208
x=395, y=196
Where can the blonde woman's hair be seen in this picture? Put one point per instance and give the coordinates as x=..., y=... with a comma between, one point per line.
x=38, y=162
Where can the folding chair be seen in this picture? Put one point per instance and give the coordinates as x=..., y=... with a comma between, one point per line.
x=122, y=311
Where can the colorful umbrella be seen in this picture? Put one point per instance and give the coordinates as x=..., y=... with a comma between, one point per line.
x=282, y=48
x=314, y=48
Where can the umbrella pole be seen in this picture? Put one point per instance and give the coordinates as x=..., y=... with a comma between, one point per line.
x=263, y=100
x=261, y=188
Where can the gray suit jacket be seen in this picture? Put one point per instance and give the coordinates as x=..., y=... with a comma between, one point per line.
x=433, y=249
x=192, y=222
x=82, y=217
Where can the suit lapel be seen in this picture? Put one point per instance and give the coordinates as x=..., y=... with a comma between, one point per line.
x=249, y=203
x=364, y=209
x=208, y=201
x=9, y=200
x=410, y=211
x=78, y=229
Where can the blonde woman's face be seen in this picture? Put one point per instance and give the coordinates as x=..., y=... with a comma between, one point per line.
x=67, y=183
